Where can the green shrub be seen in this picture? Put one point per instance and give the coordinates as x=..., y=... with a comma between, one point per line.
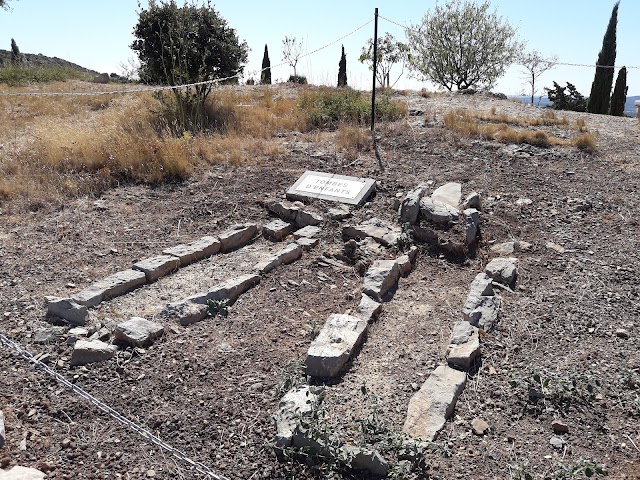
x=297, y=79
x=327, y=107
x=17, y=76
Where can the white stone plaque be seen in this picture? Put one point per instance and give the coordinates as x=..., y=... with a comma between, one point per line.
x=327, y=186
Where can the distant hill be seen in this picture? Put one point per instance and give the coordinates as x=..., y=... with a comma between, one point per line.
x=543, y=101
x=39, y=60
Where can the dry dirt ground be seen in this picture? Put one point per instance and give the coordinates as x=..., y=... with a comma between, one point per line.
x=570, y=329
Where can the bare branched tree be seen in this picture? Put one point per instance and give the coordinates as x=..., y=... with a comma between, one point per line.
x=535, y=64
x=292, y=51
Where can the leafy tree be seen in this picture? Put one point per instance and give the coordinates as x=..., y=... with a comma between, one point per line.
x=342, y=70
x=566, y=98
x=601, y=86
x=3, y=4
x=619, y=97
x=183, y=45
x=389, y=52
x=265, y=74
x=462, y=44
x=292, y=51
x=535, y=65
x=16, y=57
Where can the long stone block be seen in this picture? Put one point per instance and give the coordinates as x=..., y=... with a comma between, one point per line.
x=331, y=349
x=91, y=351
x=197, y=250
x=286, y=255
x=464, y=345
x=112, y=286
x=485, y=315
x=481, y=286
x=156, y=267
x=237, y=236
x=368, y=308
x=67, y=309
x=430, y=407
x=185, y=312
x=381, y=277
x=229, y=290
x=277, y=229
x=138, y=331
x=410, y=206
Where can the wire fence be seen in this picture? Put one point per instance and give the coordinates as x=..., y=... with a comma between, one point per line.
x=146, y=434
x=159, y=88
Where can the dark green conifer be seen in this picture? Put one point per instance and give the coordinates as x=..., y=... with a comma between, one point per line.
x=619, y=97
x=342, y=70
x=603, y=80
x=265, y=75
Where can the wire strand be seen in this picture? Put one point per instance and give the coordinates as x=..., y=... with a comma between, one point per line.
x=21, y=352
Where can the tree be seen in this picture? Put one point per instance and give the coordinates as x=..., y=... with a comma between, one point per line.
x=183, y=45
x=3, y=4
x=619, y=97
x=17, y=58
x=535, y=65
x=389, y=52
x=342, y=70
x=292, y=51
x=561, y=100
x=265, y=74
x=462, y=44
x=603, y=79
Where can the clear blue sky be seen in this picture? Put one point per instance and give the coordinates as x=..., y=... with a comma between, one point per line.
x=97, y=34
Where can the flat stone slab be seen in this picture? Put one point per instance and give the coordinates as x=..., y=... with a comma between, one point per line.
x=381, y=277
x=438, y=212
x=449, y=193
x=237, y=236
x=503, y=270
x=464, y=345
x=368, y=308
x=331, y=349
x=138, y=331
x=284, y=256
x=307, y=243
x=375, y=228
x=67, y=309
x=195, y=251
x=277, y=230
x=22, y=473
x=471, y=223
x=434, y=403
x=49, y=335
x=229, y=290
x=185, y=313
x=91, y=351
x=296, y=407
x=327, y=186
x=481, y=286
x=156, y=267
x=112, y=286
x=410, y=207
x=309, y=231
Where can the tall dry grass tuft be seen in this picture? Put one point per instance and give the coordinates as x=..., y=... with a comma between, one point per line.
x=586, y=143
x=352, y=140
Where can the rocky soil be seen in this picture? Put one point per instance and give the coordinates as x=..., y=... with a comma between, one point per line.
x=557, y=384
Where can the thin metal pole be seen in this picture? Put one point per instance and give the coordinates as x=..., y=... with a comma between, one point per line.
x=375, y=66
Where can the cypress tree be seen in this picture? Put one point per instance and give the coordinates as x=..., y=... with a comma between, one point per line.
x=342, y=70
x=603, y=80
x=16, y=57
x=619, y=97
x=265, y=75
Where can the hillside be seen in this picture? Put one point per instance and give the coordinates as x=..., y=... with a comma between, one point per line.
x=553, y=394
x=39, y=60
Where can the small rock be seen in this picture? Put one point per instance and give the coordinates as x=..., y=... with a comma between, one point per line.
x=506, y=248
x=278, y=229
x=22, y=473
x=438, y=212
x=473, y=201
x=622, y=333
x=522, y=202
x=49, y=335
x=559, y=427
x=479, y=426
x=449, y=193
x=556, y=442
x=91, y=351
x=307, y=243
x=309, y=231
x=296, y=406
x=67, y=309
x=338, y=214
x=380, y=278
x=555, y=247
x=138, y=331
x=503, y=270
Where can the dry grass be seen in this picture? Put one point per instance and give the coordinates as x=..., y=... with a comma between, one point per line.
x=60, y=147
x=352, y=140
x=494, y=126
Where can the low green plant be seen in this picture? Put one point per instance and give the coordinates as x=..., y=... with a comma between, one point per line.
x=217, y=308
x=328, y=108
x=19, y=76
x=584, y=469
